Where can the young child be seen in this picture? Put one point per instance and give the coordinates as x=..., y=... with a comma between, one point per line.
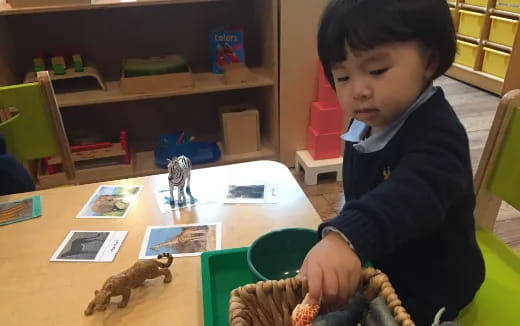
x=13, y=177
x=407, y=174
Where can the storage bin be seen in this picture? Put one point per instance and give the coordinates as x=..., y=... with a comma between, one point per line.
x=466, y=53
x=470, y=23
x=503, y=30
x=480, y=3
x=495, y=62
x=508, y=5
x=240, y=129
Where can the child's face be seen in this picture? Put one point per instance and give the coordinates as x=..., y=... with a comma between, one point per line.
x=377, y=85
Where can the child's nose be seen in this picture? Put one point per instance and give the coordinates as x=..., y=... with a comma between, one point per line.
x=362, y=90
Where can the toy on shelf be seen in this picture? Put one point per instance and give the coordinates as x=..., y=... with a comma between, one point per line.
x=58, y=63
x=177, y=144
x=226, y=47
x=77, y=60
x=179, y=175
x=155, y=74
x=39, y=62
x=236, y=73
x=123, y=283
x=86, y=154
x=67, y=78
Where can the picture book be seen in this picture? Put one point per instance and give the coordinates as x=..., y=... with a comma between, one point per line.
x=226, y=46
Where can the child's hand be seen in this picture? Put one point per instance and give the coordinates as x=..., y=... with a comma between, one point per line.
x=332, y=270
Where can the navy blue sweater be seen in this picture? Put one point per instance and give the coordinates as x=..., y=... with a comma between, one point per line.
x=13, y=177
x=417, y=225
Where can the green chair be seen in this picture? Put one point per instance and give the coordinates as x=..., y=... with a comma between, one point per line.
x=498, y=178
x=36, y=131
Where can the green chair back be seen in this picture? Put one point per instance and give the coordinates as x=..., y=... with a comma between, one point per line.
x=498, y=178
x=29, y=134
x=505, y=181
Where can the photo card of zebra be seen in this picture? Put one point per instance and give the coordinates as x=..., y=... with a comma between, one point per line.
x=181, y=240
x=20, y=210
x=201, y=196
x=265, y=193
x=89, y=246
x=111, y=201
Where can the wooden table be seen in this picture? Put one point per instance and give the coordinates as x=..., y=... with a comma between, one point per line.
x=34, y=291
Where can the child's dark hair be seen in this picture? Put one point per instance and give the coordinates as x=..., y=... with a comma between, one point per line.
x=365, y=24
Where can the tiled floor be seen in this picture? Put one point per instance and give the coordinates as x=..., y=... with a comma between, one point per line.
x=476, y=110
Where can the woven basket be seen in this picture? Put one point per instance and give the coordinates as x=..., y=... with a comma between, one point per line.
x=272, y=302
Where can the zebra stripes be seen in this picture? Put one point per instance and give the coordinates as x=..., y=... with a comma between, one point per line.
x=179, y=175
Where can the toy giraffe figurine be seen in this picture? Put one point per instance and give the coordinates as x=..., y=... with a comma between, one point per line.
x=179, y=175
x=304, y=313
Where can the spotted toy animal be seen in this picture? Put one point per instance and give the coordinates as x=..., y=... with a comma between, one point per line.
x=122, y=283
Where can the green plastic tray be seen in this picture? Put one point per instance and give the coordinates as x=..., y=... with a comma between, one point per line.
x=222, y=271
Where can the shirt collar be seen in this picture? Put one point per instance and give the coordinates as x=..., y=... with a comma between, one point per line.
x=377, y=141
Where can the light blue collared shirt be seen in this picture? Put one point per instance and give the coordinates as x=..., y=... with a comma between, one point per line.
x=379, y=139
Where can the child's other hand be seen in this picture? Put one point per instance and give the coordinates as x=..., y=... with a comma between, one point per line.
x=332, y=270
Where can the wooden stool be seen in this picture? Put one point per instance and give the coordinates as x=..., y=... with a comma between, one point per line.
x=314, y=167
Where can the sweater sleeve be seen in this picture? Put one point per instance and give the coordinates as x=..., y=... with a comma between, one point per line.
x=413, y=201
x=13, y=176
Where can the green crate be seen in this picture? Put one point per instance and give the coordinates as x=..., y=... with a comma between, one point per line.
x=222, y=272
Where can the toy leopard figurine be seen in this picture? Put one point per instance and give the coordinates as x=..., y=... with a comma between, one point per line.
x=122, y=283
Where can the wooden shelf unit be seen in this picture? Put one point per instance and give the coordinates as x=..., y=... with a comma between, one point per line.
x=110, y=31
x=144, y=165
x=6, y=9
x=206, y=82
x=474, y=75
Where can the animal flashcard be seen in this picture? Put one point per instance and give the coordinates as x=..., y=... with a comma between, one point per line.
x=180, y=240
x=252, y=194
x=89, y=246
x=162, y=197
x=111, y=202
x=20, y=210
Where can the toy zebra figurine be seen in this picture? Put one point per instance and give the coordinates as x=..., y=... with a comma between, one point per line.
x=179, y=174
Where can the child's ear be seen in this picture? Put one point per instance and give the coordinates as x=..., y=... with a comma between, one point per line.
x=432, y=64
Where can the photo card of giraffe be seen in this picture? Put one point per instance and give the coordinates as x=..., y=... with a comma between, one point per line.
x=111, y=201
x=261, y=193
x=181, y=240
x=89, y=246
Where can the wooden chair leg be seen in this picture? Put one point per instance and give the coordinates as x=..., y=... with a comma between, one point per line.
x=57, y=125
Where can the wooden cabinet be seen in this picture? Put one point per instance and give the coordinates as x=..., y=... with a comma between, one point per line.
x=488, y=44
x=108, y=31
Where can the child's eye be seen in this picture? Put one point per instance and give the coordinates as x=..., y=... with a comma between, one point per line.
x=379, y=72
x=343, y=79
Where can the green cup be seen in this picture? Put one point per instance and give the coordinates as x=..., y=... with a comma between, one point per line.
x=279, y=254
